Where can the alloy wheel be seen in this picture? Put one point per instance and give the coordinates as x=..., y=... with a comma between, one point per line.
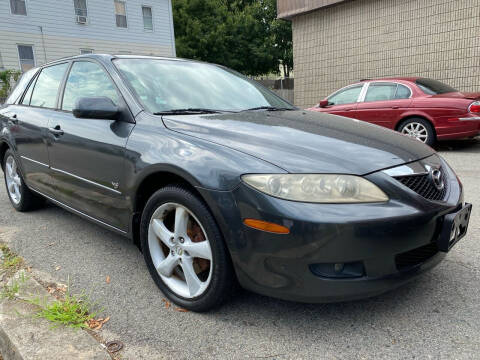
x=13, y=180
x=416, y=130
x=180, y=250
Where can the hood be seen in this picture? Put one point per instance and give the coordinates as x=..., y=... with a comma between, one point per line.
x=304, y=141
x=459, y=95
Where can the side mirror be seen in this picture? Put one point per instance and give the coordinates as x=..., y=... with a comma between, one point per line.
x=323, y=103
x=96, y=108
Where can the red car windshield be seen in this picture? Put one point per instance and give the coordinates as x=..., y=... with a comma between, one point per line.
x=434, y=87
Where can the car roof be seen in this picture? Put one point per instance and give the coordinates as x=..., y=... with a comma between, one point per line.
x=410, y=79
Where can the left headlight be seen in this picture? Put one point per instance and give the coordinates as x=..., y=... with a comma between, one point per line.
x=317, y=188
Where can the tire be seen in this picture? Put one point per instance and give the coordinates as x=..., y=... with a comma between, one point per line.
x=21, y=197
x=178, y=234
x=419, y=129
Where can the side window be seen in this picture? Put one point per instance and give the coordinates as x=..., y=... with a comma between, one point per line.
x=20, y=88
x=347, y=96
x=381, y=92
x=87, y=79
x=47, y=85
x=28, y=95
x=403, y=92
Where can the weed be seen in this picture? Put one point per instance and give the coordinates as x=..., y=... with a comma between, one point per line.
x=10, y=260
x=10, y=291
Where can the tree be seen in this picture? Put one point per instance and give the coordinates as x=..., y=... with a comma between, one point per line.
x=241, y=34
x=6, y=77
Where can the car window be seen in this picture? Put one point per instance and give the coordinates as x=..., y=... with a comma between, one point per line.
x=28, y=94
x=87, y=79
x=47, y=85
x=21, y=84
x=434, y=87
x=403, y=92
x=380, y=92
x=346, y=96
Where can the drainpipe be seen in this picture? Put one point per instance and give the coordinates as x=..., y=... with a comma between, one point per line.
x=43, y=44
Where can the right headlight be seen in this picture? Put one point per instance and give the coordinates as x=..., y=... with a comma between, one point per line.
x=317, y=188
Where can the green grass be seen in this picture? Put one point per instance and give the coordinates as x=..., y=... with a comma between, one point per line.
x=9, y=291
x=10, y=260
x=73, y=311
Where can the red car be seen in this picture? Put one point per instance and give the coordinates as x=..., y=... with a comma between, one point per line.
x=422, y=108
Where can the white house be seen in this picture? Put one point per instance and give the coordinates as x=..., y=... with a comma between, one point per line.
x=33, y=32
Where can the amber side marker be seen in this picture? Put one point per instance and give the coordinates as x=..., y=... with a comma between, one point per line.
x=266, y=226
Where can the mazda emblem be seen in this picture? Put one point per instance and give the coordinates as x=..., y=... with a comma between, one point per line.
x=437, y=180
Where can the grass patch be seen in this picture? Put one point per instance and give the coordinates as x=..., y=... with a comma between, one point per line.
x=74, y=311
x=11, y=290
x=11, y=261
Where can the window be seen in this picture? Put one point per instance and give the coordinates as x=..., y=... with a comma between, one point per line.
x=86, y=51
x=25, y=55
x=87, y=79
x=403, y=92
x=120, y=13
x=380, y=92
x=18, y=7
x=81, y=12
x=347, y=96
x=434, y=87
x=28, y=95
x=147, y=18
x=21, y=84
x=46, y=88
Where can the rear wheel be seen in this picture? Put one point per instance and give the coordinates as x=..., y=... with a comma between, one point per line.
x=21, y=197
x=419, y=129
x=184, y=250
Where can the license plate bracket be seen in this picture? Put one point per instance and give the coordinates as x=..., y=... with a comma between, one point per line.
x=455, y=226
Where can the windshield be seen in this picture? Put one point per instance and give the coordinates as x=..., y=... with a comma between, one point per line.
x=168, y=85
x=434, y=87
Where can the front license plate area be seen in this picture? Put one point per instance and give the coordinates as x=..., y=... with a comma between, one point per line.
x=454, y=228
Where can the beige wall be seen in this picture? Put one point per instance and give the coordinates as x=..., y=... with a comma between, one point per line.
x=359, y=39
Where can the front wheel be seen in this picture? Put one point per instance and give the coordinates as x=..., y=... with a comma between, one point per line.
x=184, y=250
x=419, y=129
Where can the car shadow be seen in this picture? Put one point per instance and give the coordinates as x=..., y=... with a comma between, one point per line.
x=466, y=145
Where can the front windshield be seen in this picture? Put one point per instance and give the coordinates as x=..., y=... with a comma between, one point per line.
x=166, y=85
x=434, y=87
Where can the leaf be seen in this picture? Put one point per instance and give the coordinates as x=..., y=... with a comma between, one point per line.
x=58, y=268
x=107, y=279
x=29, y=269
x=181, y=309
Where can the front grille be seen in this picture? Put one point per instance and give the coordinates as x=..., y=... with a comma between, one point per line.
x=423, y=185
x=416, y=256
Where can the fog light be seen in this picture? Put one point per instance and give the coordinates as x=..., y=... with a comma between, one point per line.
x=339, y=270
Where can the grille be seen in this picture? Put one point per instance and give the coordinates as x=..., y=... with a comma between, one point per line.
x=416, y=256
x=423, y=185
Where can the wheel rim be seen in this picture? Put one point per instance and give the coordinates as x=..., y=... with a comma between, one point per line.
x=13, y=180
x=416, y=130
x=180, y=250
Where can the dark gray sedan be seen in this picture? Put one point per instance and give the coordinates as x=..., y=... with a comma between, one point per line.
x=219, y=181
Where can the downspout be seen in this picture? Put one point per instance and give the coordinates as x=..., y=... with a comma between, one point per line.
x=43, y=44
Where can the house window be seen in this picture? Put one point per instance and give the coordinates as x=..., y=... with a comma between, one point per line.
x=120, y=13
x=80, y=7
x=86, y=51
x=18, y=7
x=147, y=18
x=25, y=55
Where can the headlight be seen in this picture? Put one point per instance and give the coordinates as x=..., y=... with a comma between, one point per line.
x=322, y=188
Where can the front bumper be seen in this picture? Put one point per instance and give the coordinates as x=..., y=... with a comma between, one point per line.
x=380, y=236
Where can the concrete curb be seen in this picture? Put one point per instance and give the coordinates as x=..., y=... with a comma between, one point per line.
x=23, y=337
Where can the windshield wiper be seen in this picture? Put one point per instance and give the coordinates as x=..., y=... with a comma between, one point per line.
x=189, y=111
x=269, y=108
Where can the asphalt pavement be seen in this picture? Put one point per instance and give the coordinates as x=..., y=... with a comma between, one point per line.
x=435, y=317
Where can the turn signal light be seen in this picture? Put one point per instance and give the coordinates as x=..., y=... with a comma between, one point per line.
x=266, y=226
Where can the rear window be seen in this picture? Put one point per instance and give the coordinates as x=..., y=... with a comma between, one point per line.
x=434, y=87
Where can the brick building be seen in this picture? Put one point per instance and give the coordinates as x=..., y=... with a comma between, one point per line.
x=336, y=42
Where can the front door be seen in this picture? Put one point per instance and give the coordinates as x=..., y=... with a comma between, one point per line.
x=87, y=155
x=344, y=102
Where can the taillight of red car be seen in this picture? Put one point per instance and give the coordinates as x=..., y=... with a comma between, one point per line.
x=474, y=107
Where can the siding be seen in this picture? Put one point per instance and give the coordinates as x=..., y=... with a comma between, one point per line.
x=62, y=36
x=338, y=45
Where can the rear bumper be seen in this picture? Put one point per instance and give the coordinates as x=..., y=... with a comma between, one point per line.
x=463, y=127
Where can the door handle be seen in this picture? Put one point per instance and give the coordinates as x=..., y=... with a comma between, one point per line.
x=395, y=107
x=56, y=131
x=13, y=120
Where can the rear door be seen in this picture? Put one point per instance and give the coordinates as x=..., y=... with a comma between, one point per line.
x=344, y=101
x=87, y=155
x=30, y=120
x=383, y=104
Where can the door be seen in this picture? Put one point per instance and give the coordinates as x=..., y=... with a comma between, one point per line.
x=384, y=103
x=344, y=102
x=30, y=122
x=87, y=155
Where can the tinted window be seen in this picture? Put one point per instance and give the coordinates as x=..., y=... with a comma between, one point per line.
x=381, y=92
x=434, y=87
x=21, y=84
x=403, y=92
x=87, y=79
x=346, y=96
x=163, y=85
x=46, y=88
